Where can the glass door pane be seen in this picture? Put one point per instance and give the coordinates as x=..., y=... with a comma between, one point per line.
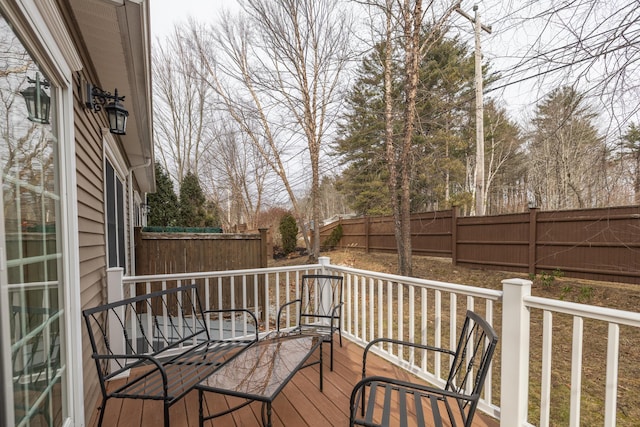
x=31, y=310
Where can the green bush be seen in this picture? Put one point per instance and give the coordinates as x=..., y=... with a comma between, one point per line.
x=334, y=238
x=289, y=233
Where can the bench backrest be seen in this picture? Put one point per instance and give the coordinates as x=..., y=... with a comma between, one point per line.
x=149, y=324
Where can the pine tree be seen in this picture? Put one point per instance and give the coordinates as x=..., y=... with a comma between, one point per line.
x=192, y=201
x=441, y=146
x=163, y=204
x=289, y=233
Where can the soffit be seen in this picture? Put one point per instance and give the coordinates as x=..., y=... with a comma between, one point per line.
x=116, y=35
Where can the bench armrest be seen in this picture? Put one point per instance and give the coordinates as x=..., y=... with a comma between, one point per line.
x=140, y=358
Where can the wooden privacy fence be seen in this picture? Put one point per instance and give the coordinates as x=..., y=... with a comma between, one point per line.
x=167, y=253
x=596, y=244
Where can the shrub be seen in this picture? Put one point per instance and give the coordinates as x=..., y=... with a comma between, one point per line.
x=333, y=239
x=289, y=232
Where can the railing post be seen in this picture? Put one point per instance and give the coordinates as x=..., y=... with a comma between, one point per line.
x=514, y=377
x=325, y=301
x=115, y=292
x=324, y=262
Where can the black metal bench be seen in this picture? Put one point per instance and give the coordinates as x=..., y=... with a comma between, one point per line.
x=163, y=344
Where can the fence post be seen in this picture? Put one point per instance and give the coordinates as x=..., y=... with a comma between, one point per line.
x=115, y=292
x=533, y=237
x=264, y=247
x=366, y=233
x=514, y=376
x=454, y=235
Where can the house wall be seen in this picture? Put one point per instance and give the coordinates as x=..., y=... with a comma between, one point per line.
x=91, y=231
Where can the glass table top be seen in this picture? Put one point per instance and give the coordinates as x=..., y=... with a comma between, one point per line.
x=264, y=368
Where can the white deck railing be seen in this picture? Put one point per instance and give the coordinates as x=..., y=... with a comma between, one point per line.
x=430, y=312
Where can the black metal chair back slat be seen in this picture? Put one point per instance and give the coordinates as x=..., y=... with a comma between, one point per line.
x=457, y=400
x=319, y=308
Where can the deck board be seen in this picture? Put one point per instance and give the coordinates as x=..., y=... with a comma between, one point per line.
x=301, y=403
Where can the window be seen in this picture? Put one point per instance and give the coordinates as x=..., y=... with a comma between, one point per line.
x=114, y=194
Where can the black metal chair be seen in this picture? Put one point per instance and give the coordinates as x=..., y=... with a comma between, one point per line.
x=379, y=398
x=319, y=307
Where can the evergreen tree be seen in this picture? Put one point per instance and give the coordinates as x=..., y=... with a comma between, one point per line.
x=361, y=143
x=441, y=149
x=192, y=202
x=163, y=204
x=289, y=233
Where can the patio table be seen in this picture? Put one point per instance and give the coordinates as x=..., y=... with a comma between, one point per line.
x=261, y=371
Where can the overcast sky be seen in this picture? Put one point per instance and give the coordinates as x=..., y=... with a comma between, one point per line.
x=166, y=13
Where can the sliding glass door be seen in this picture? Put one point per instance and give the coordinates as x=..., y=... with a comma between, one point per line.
x=32, y=312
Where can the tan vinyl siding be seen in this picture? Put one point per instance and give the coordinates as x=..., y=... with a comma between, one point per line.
x=91, y=238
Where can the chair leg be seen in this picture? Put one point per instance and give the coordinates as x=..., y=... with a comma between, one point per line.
x=331, y=349
x=340, y=333
x=102, y=410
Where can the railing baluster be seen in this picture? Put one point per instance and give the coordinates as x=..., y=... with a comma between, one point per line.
x=267, y=304
x=412, y=314
x=545, y=382
x=380, y=309
x=232, y=291
x=470, y=306
x=400, y=331
x=255, y=300
x=611, y=391
x=363, y=306
x=576, y=371
x=437, y=331
x=348, y=300
x=220, y=305
x=371, y=311
x=244, y=304
x=488, y=390
x=453, y=310
x=356, y=305
x=423, y=326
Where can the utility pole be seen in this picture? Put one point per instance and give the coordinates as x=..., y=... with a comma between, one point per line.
x=479, y=178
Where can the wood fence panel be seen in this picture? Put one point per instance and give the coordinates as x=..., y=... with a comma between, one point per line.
x=494, y=241
x=597, y=244
x=431, y=233
x=166, y=253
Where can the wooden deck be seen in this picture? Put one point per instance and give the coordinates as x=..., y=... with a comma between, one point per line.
x=300, y=404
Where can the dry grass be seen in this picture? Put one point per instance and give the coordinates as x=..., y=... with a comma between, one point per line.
x=606, y=294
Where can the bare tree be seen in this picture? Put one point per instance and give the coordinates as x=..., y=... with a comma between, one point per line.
x=278, y=72
x=180, y=105
x=237, y=176
x=589, y=44
x=404, y=23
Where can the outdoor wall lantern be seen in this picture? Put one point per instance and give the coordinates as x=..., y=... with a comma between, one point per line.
x=117, y=114
x=37, y=100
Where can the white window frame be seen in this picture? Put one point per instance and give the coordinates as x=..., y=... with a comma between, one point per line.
x=113, y=155
x=44, y=33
